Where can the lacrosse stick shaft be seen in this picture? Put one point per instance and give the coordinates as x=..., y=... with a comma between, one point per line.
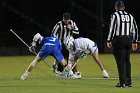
x=73, y=65
x=27, y=45
x=19, y=38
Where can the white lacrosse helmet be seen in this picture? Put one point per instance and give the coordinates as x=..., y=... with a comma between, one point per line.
x=69, y=42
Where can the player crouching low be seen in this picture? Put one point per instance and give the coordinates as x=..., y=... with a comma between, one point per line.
x=50, y=46
x=80, y=48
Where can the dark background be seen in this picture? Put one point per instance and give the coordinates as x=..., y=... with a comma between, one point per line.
x=27, y=17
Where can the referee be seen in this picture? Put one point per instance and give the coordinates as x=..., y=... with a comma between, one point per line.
x=61, y=30
x=123, y=33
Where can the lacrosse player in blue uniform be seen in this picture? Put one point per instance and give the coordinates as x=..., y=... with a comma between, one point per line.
x=79, y=48
x=50, y=46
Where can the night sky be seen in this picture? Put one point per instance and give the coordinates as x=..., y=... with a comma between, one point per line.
x=27, y=17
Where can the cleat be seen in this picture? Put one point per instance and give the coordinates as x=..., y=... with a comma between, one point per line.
x=23, y=77
x=128, y=85
x=59, y=75
x=120, y=85
x=76, y=76
x=105, y=74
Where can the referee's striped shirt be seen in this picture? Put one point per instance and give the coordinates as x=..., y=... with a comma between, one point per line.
x=61, y=31
x=123, y=24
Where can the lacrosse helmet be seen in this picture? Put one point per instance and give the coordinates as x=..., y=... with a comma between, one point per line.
x=69, y=42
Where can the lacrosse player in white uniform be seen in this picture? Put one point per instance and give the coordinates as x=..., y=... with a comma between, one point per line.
x=80, y=48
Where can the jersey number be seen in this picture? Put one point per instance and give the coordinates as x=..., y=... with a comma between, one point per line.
x=125, y=18
x=52, y=39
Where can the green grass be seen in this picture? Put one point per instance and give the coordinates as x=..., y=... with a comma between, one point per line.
x=42, y=80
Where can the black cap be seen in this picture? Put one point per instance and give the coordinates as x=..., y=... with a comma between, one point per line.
x=66, y=16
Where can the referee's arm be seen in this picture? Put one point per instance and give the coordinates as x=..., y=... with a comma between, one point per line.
x=55, y=30
x=135, y=36
x=135, y=32
x=111, y=31
x=75, y=29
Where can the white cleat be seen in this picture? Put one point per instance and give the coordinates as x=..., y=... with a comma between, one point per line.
x=105, y=74
x=59, y=75
x=23, y=77
x=78, y=76
x=74, y=76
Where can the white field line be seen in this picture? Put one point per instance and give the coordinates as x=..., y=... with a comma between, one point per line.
x=104, y=78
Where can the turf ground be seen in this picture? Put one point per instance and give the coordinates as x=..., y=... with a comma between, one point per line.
x=42, y=80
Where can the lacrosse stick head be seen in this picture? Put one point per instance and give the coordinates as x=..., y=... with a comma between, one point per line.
x=69, y=42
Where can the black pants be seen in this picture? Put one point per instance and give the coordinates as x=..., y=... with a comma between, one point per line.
x=65, y=53
x=122, y=46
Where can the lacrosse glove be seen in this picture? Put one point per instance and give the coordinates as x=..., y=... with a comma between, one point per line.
x=65, y=74
x=32, y=47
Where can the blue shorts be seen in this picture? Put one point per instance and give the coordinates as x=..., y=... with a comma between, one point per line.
x=51, y=50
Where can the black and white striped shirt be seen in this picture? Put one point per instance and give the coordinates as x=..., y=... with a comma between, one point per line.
x=123, y=24
x=61, y=31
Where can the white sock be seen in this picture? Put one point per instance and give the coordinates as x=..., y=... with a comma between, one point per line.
x=26, y=73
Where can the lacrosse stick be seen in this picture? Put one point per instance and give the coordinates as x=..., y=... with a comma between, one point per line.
x=27, y=45
x=73, y=65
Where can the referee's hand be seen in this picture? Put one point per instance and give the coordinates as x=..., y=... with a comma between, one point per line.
x=109, y=44
x=69, y=26
x=134, y=46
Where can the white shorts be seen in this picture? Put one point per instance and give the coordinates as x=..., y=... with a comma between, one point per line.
x=93, y=47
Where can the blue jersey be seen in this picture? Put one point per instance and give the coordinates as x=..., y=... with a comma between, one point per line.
x=51, y=46
x=52, y=41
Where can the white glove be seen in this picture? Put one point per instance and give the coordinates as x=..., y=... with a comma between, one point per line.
x=32, y=47
x=105, y=74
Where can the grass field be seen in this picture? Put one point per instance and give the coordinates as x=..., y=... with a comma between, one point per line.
x=42, y=80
